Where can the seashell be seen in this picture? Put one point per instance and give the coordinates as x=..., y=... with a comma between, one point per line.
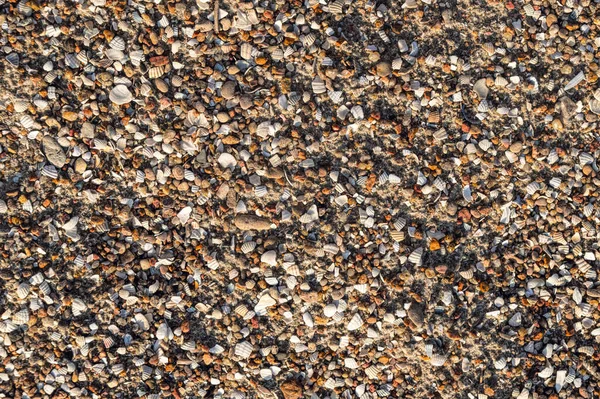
x=269, y=257
x=585, y=158
x=184, y=214
x=71, y=61
x=227, y=161
x=117, y=43
x=350, y=363
x=248, y=247
x=23, y=290
x=120, y=95
x=440, y=135
x=561, y=375
x=3, y=206
x=588, y=350
x=594, y=105
x=355, y=323
x=438, y=360
x=318, y=86
x=243, y=349
x=26, y=121
x=78, y=306
x=308, y=40
x=500, y=364
x=329, y=310
x=50, y=171
x=156, y=72
x=575, y=81
x=397, y=64
x=467, y=274
x=21, y=317
x=489, y=48
x=588, y=210
x=481, y=89
x=335, y=96
x=546, y=372
x=13, y=59
x=357, y=112
x=500, y=81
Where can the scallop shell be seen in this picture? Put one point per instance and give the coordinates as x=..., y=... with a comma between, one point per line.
x=117, y=43
x=546, y=372
x=21, y=317
x=3, y=206
x=248, y=247
x=244, y=349
x=481, y=89
x=156, y=72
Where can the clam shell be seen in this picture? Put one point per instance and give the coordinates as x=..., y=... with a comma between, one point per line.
x=120, y=95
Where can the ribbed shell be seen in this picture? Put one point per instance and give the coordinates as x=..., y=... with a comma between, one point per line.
x=244, y=349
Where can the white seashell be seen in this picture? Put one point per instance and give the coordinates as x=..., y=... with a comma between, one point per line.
x=117, y=43
x=416, y=256
x=585, y=158
x=26, y=121
x=329, y=310
x=244, y=349
x=318, y=86
x=78, y=306
x=560, y=380
x=357, y=112
x=355, y=323
x=264, y=302
x=269, y=257
x=23, y=290
x=350, y=363
x=594, y=105
x=227, y=161
x=120, y=94
x=546, y=373
x=335, y=96
x=500, y=364
x=3, y=206
x=142, y=321
x=438, y=360
x=248, y=247
x=481, y=89
x=184, y=214
x=575, y=81
x=164, y=332
x=21, y=317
